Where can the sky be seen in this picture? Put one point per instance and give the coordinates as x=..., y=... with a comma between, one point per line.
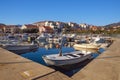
x=95, y=12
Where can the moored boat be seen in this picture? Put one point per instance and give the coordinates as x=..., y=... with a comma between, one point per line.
x=66, y=58
x=20, y=48
x=86, y=46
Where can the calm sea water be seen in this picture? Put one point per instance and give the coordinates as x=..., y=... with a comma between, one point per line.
x=37, y=57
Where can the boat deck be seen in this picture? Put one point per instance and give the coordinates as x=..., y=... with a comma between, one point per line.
x=71, y=55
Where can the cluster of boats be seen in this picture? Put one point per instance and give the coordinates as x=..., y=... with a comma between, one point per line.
x=94, y=44
x=17, y=46
x=62, y=59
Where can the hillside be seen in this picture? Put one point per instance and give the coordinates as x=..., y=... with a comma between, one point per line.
x=113, y=24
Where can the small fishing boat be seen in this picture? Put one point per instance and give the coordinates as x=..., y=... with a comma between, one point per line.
x=66, y=58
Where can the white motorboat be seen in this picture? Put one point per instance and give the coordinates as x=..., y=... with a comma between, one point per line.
x=20, y=48
x=86, y=46
x=95, y=43
x=66, y=58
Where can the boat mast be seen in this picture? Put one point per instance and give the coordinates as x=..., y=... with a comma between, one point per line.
x=60, y=53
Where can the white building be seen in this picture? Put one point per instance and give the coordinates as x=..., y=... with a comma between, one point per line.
x=84, y=26
x=50, y=23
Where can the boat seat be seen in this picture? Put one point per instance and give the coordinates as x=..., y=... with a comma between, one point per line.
x=80, y=54
x=72, y=55
x=68, y=56
x=76, y=55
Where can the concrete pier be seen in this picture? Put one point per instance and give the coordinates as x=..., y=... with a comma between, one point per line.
x=15, y=67
x=104, y=67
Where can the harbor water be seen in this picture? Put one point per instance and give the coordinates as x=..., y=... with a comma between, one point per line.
x=37, y=57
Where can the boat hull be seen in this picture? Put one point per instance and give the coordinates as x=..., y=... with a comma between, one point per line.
x=20, y=49
x=84, y=49
x=86, y=46
x=50, y=62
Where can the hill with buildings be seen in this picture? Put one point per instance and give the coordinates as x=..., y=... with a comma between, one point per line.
x=57, y=26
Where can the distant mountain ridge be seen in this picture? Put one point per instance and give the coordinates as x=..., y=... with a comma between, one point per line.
x=113, y=24
x=108, y=25
x=47, y=21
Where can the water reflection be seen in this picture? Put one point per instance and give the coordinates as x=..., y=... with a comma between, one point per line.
x=69, y=69
x=37, y=56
